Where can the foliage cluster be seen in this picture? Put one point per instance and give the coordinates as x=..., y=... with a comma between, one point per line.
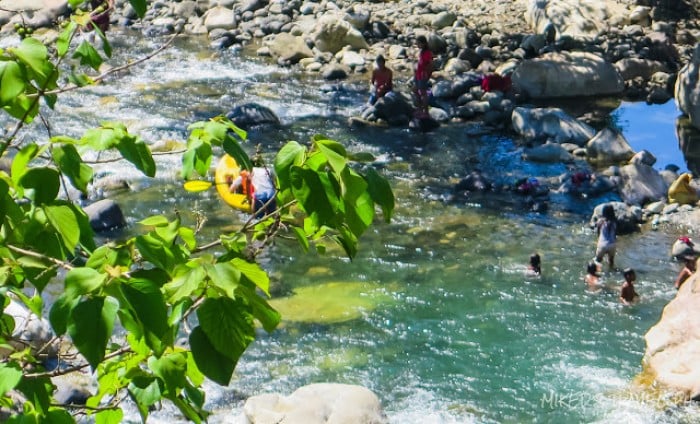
x=125, y=304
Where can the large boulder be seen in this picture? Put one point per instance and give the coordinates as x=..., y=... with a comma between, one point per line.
x=219, y=18
x=688, y=89
x=672, y=354
x=288, y=48
x=689, y=143
x=548, y=153
x=550, y=123
x=641, y=184
x=105, y=215
x=633, y=67
x=247, y=115
x=567, y=74
x=569, y=17
x=322, y=403
x=394, y=108
x=333, y=33
x=608, y=147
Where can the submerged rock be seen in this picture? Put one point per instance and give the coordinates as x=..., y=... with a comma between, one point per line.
x=105, y=215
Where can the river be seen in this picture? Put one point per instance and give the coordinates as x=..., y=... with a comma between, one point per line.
x=435, y=315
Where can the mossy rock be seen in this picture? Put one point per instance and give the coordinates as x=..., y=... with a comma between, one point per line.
x=331, y=303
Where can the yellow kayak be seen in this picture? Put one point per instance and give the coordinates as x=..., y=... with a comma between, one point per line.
x=226, y=171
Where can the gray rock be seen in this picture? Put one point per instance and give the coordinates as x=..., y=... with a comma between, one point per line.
x=332, y=33
x=30, y=331
x=289, y=48
x=105, y=215
x=687, y=91
x=250, y=114
x=219, y=17
x=322, y=403
x=641, y=184
x=608, y=147
x=567, y=74
x=550, y=123
x=644, y=157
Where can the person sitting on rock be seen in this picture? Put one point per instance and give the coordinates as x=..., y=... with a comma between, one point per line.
x=688, y=270
x=382, y=80
x=627, y=293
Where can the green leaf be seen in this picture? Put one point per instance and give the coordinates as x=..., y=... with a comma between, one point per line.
x=155, y=221
x=7, y=325
x=228, y=326
x=145, y=391
x=362, y=157
x=90, y=326
x=21, y=160
x=153, y=250
x=59, y=416
x=136, y=151
x=292, y=154
x=63, y=220
x=380, y=191
x=217, y=367
x=311, y=189
x=301, y=237
x=139, y=6
x=63, y=41
x=60, y=313
x=81, y=281
x=10, y=376
x=12, y=82
x=171, y=369
x=146, y=299
x=234, y=149
x=334, y=153
x=225, y=276
x=71, y=164
x=261, y=310
x=34, y=54
x=44, y=181
x=109, y=416
x=88, y=55
x=254, y=273
x=37, y=391
x=185, y=283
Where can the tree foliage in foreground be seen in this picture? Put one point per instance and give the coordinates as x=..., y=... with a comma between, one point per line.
x=160, y=286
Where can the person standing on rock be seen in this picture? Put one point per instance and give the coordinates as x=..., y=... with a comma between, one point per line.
x=606, y=228
x=421, y=80
x=382, y=80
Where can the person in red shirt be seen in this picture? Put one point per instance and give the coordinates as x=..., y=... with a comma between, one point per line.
x=421, y=81
x=382, y=80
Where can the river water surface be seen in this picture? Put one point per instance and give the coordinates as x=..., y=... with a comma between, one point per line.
x=435, y=315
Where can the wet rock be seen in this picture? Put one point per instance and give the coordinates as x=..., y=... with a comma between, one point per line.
x=550, y=123
x=475, y=181
x=105, y=215
x=548, y=153
x=322, y=403
x=247, y=115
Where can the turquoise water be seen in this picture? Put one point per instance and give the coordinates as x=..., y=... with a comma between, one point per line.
x=449, y=329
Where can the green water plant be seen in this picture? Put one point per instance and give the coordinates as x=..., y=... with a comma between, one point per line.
x=153, y=316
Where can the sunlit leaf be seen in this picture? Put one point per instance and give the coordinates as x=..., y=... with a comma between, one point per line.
x=380, y=191
x=88, y=55
x=227, y=324
x=63, y=41
x=69, y=162
x=10, y=375
x=63, y=220
x=12, y=82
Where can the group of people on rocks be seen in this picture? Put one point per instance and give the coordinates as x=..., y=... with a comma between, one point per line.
x=382, y=79
x=606, y=246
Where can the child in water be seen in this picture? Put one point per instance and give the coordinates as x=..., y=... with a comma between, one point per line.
x=592, y=279
x=627, y=293
x=534, y=269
